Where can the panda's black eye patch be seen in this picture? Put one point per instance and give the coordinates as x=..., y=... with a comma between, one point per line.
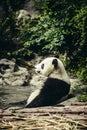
x=42, y=66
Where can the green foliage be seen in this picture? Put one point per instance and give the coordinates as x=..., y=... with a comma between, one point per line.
x=7, y=22
x=60, y=27
x=44, y=37
x=8, y=30
x=78, y=60
x=82, y=73
x=82, y=97
x=14, y=5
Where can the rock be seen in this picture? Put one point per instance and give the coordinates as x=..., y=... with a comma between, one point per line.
x=6, y=65
x=30, y=7
x=12, y=74
x=77, y=86
x=22, y=16
x=68, y=102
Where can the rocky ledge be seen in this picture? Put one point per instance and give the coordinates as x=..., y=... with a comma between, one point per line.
x=13, y=75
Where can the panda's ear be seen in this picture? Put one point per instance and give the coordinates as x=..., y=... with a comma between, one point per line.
x=55, y=63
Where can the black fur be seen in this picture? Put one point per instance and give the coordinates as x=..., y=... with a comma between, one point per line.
x=52, y=91
x=55, y=63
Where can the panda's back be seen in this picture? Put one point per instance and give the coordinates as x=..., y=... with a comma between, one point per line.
x=51, y=92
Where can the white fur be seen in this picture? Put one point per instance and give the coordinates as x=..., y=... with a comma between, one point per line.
x=49, y=69
x=33, y=96
x=63, y=73
x=38, y=80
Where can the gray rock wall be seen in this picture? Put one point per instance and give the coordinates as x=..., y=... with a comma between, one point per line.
x=12, y=74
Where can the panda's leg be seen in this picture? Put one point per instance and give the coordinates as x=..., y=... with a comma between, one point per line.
x=33, y=96
x=34, y=99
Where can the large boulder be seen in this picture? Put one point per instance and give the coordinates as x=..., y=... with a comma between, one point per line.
x=12, y=74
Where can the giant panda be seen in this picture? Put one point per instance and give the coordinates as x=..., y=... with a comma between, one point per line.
x=53, y=89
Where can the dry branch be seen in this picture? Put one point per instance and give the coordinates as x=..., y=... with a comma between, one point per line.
x=56, y=118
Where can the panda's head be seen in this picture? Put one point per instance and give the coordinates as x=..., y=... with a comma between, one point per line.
x=47, y=66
